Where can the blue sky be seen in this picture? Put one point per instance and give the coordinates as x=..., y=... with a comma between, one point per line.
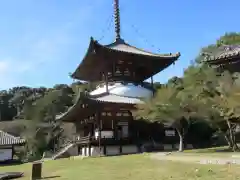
x=42, y=41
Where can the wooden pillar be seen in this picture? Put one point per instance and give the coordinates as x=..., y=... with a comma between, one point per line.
x=120, y=147
x=113, y=69
x=104, y=149
x=99, y=132
x=12, y=152
x=115, y=129
x=134, y=76
x=92, y=129
x=106, y=80
x=120, y=143
x=152, y=85
x=89, y=149
x=79, y=149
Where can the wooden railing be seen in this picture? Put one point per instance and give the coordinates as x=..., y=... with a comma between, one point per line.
x=82, y=140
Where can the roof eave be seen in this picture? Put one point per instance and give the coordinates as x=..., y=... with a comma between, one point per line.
x=154, y=56
x=95, y=47
x=89, y=51
x=214, y=59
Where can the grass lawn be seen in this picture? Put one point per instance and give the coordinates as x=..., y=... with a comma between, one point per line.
x=131, y=167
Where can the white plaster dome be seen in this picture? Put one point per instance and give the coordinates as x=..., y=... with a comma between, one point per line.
x=128, y=90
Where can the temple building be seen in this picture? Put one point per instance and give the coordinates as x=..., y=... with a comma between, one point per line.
x=227, y=58
x=103, y=119
x=8, y=143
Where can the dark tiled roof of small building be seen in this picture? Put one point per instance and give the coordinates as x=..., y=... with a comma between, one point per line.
x=7, y=139
x=226, y=51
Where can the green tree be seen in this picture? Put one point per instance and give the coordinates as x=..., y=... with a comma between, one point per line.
x=216, y=91
x=219, y=92
x=173, y=107
x=228, y=105
x=42, y=112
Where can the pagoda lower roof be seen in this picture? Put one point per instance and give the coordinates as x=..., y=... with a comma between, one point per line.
x=113, y=98
x=83, y=99
x=224, y=53
x=99, y=56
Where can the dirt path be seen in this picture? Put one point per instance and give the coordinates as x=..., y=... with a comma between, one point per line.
x=197, y=158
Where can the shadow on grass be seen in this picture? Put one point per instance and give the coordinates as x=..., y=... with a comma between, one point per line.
x=50, y=177
x=11, y=175
x=212, y=150
x=11, y=163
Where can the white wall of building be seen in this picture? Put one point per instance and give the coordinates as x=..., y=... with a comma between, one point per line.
x=5, y=154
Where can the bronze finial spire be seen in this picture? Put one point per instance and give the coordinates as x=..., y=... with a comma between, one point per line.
x=117, y=19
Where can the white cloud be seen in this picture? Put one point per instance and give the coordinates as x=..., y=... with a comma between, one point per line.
x=4, y=66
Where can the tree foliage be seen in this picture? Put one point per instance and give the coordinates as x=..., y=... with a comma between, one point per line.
x=201, y=94
x=175, y=105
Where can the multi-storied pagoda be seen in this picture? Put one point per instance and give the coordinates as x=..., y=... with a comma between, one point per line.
x=103, y=118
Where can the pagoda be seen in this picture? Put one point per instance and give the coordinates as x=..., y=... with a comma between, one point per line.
x=103, y=120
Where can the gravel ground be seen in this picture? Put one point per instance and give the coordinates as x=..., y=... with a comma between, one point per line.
x=196, y=158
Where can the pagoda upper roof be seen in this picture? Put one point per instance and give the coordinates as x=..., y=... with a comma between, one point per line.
x=223, y=53
x=122, y=46
x=98, y=56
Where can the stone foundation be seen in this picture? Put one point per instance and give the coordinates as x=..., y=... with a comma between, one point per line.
x=110, y=150
x=73, y=151
x=131, y=149
x=168, y=147
x=115, y=150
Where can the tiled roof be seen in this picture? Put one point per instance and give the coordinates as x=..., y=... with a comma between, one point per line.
x=126, y=90
x=7, y=139
x=124, y=47
x=226, y=51
x=112, y=98
x=104, y=97
x=87, y=70
x=78, y=102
